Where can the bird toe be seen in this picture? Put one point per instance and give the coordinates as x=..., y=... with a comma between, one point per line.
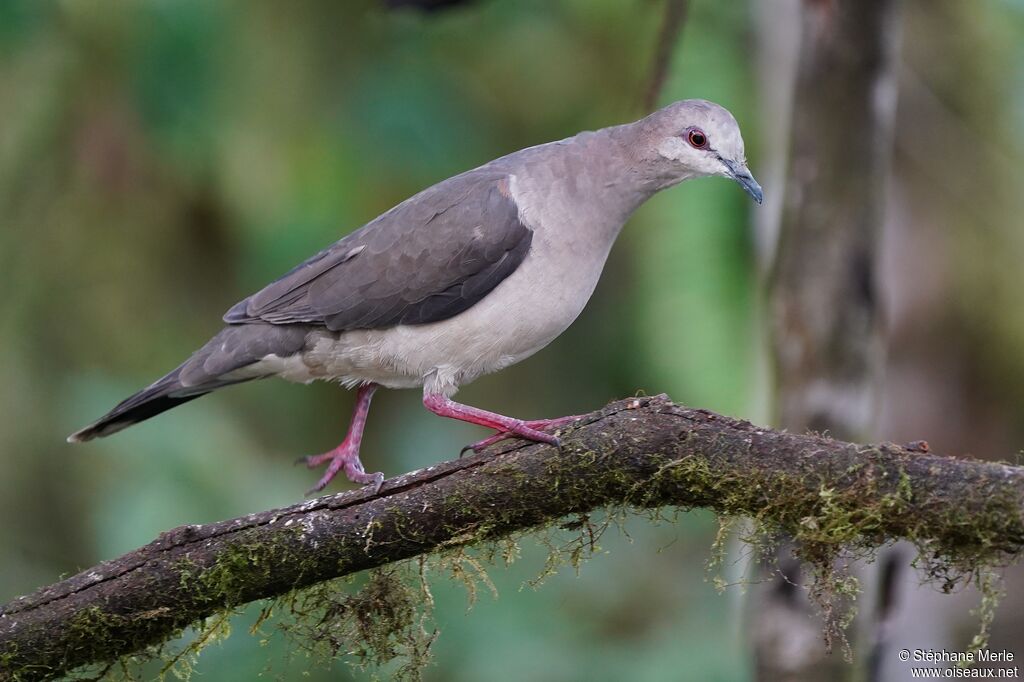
x=376, y=482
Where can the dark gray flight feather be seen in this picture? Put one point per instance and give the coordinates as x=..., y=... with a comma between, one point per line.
x=231, y=349
x=428, y=259
x=425, y=260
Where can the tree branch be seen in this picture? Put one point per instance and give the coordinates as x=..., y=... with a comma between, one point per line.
x=668, y=37
x=641, y=452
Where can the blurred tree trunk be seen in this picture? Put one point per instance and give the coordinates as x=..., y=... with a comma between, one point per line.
x=951, y=248
x=825, y=320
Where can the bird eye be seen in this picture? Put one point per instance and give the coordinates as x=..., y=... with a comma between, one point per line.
x=697, y=138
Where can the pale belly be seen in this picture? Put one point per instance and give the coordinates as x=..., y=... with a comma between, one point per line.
x=520, y=316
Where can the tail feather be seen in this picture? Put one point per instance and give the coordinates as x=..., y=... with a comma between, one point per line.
x=149, y=402
x=220, y=362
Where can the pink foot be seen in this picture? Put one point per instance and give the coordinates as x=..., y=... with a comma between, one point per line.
x=346, y=456
x=507, y=427
x=530, y=430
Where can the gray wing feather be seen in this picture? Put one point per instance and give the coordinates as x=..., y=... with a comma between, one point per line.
x=425, y=260
x=208, y=369
x=235, y=347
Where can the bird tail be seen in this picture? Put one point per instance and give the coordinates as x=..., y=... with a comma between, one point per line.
x=159, y=397
x=230, y=357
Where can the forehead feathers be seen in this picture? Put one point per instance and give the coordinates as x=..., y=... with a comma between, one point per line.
x=717, y=123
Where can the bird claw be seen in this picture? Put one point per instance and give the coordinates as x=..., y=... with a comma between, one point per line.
x=341, y=459
x=373, y=481
x=526, y=430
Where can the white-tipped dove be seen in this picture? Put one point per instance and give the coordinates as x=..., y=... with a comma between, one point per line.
x=465, y=278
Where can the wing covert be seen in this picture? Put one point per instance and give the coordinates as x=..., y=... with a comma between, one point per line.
x=428, y=259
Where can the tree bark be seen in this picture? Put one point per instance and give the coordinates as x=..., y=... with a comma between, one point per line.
x=640, y=452
x=825, y=312
x=827, y=345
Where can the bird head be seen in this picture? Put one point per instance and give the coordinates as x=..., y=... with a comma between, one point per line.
x=696, y=138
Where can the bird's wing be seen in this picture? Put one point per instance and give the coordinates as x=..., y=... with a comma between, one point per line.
x=428, y=259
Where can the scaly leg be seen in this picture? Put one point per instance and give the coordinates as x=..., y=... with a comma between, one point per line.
x=346, y=455
x=535, y=424
x=507, y=427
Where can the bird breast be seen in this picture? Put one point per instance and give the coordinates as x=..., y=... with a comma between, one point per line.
x=523, y=314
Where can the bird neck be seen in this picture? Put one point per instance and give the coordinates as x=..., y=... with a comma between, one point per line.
x=644, y=171
x=589, y=184
x=618, y=173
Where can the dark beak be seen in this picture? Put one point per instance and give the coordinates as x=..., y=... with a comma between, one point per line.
x=741, y=174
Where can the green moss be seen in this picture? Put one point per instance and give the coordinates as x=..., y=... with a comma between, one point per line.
x=96, y=625
x=214, y=629
x=849, y=518
x=991, y=586
x=385, y=620
x=727, y=526
x=832, y=517
x=242, y=564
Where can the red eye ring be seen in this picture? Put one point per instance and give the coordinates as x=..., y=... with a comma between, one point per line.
x=697, y=138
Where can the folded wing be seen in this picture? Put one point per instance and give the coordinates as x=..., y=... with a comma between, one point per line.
x=428, y=259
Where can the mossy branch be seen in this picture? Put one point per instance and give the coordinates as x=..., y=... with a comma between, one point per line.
x=641, y=452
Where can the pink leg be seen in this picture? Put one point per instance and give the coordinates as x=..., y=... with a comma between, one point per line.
x=346, y=455
x=507, y=427
x=536, y=424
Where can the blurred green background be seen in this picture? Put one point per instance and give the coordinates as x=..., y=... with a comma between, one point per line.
x=161, y=160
